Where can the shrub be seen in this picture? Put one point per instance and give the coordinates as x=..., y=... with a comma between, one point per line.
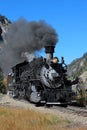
x=2, y=85
x=81, y=98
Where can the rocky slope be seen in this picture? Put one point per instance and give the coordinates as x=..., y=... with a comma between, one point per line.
x=4, y=22
x=78, y=68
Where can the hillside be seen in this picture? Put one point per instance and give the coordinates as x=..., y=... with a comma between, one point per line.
x=4, y=22
x=78, y=68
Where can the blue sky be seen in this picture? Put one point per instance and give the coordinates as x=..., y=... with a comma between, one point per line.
x=68, y=17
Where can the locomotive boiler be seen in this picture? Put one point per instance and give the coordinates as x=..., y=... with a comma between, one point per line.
x=41, y=81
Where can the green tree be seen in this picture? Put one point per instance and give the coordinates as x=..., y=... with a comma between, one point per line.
x=2, y=85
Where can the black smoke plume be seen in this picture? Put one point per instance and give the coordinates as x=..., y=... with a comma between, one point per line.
x=23, y=36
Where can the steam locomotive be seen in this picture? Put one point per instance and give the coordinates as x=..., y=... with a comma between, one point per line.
x=41, y=81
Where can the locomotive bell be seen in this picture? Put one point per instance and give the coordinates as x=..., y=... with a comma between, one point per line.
x=49, y=52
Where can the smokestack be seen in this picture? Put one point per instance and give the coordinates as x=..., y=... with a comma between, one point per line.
x=49, y=52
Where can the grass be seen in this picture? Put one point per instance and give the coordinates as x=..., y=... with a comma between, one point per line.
x=21, y=119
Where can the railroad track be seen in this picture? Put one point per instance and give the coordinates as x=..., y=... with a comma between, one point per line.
x=79, y=111
x=73, y=110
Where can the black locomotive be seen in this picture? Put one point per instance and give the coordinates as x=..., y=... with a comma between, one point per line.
x=41, y=81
